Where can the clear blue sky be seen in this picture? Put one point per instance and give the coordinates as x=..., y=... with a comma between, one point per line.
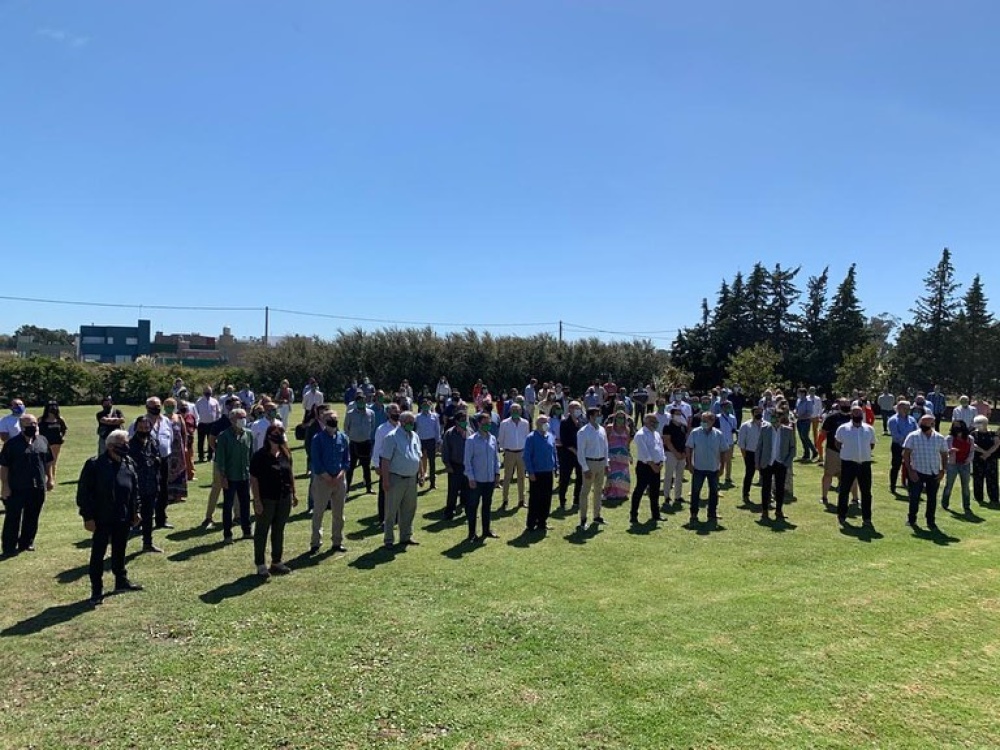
x=603, y=162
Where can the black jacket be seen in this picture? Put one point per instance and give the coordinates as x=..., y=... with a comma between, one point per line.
x=108, y=491
x=146, y=462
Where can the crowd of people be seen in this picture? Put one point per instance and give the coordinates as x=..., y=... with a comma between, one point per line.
x=546, y=444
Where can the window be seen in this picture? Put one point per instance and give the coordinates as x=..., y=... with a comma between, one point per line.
x=131, y=341
x=111, y=341
x=91, y=358
x=93, y=339
x=122, y=359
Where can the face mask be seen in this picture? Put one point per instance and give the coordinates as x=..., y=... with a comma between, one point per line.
x=856, y=420
x=18, y=410
x=107, y=409
x=463, y=424
x=272, y=414
x=120, y=450
x=425, y=409
x=30, y=431
x=597, y=421
x=276, y=438
x=207, y=394
x=359, y=405
x=556, y=413
x=545, y=429
x=408, y=427
x=925, y=428
x=331, y=427
x=484, y=427
x=393, y=417
x=679, y=420
x=620, y=422
x=169, y=410
x=241, y=423
x=143, y=435
x=154, y=410
x=706, y=426
x=576, y=412
x=516, y=417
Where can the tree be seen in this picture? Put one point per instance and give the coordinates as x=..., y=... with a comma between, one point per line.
x=45, y=335
x=859, y=370
x=933, y=317
x=974, y=341
x=755, y=369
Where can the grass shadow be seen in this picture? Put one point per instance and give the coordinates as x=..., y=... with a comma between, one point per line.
x=582, y=536
x=55, y=615
x=84, y=543
x=527, y=538
x=443, y=523
x=704, y=528
x=193, y=533
x=644, y=528
x=777, y=525
x=964, y=517
x=750, y=505
x=310, y=560
x=231, y=590
x=201, y=549
x=69, y=482
x=372, y=529
x=936, y=536
x=374, y=558
x=463, y=548
x=862, y=533
x=613, y=502
x=82, y=571
x=302, y=515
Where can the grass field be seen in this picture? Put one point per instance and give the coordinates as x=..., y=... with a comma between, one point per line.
x=747, y=636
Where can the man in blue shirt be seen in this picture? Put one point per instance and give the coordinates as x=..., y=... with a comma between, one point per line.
x=705, y=448
x=937, y=401
x=901, y=424
x=803, y=424
x=329, y=461
x=540, y=464
x=429, y=432
x=482, y=467
x=401, y=473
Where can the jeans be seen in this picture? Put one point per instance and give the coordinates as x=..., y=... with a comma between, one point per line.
x=273, y=519
x=147, y=506
x=851, y=471
x=930, y=483
x=238, y=489
x=804, y=426
x=429, y=447
x=646, y=478
x=117, y=535
x=961, y=471
x=697, y=481
x=204, y=430
x=480, y=495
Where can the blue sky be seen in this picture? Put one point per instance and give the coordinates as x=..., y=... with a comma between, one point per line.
x=603, y=162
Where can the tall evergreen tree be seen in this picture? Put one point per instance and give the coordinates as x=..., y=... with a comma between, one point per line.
x=974, y=341
x=845, y=326
x=934, y=316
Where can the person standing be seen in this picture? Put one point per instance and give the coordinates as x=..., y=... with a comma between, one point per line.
x=960, y=457
x=650, y=456
x=925, y=454
x=107, y=498
x=705, y=447
x=592, y=455
x=482, y=469
x=177, y=468
x=163, y=432
x=53, y=428
x=901, y=424
x=272, y=485
x=838, y=416
x=330, y=459
x=285, y=397
x=675, y=435
x=109, y=418
x=530, y=398
x=233, y=451
x=569, y=427
x=392, y=422
x=10, y=425
x=747, y=440
x=247, y=397
x=963, y=412
x=359, y=425
x=619, y=481
x=400, y=463
x=803, y=424
x=855, y=442
x=428, y=426
x=312, y=397
x=260, y=426
x=208, y=410
x=726, y=423
x=886, y=407
x=511, y=438
x=984, y=465
x=453, y=458
x=937, y=401
x=145, y=456
x=26, y=466
x=443, y=391
x=540, y=463
x=983, y=409
x=773, y=456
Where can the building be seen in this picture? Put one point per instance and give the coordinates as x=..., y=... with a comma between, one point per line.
x=190, y=350
x=27, y=347
x=114, y=344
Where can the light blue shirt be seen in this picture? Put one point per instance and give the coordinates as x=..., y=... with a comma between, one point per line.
x=402, y=450
x=899, y=428
x=707, y=448
x=428, y=426
x=482, y=458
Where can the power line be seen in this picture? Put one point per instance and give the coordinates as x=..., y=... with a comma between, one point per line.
x=125, y=305
x=413, y=322
x=638, y=334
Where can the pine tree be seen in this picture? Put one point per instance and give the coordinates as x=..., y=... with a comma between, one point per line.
x=845, y=328
x=933, y=317
x=974, y=341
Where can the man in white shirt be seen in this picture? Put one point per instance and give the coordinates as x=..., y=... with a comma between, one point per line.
x=312, y=396
x=746, y=441
x=513, y=433
x=679, y=403
x=887, y=408
x=530, y=397
x=964, y=412
x=855, y=441
x=258, y=430
x=392, y=412
x=649, y=461
x=925, y=455
x=443, y=390
x=208, y=410
x=592, y=455
x=10, y=426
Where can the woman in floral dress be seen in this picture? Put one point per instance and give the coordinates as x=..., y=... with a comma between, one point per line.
x=619, y=457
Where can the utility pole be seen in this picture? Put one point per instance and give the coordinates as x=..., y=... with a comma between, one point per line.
x=560, y=333
x=267, y=323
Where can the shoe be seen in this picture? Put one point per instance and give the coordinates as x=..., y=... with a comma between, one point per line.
x=911, y=524
x=471, y=539
x=96, y=600
x=227, y=540
x=546, y=527
x=247, y=535
x=491, y=534
x=280, y=569
x=164, y=526
x=409, y=543
x=562, y=505
x=583, y=526
x=503, y=505
x=207, y=524
x=932, y=526
x=151, y=548
x=389, y=545
x=29, y=548
x=598, y=519
x=338, y=548
x=634, y=521
x=126, y=585
x=824, y=501
x=314, y=549
x=657, y=518
x=263, y=572
x=520, y=504
x=369, y=491
x=892, y=489
x=842, y=521
x=765, y=517
x=746, y=499
x=780, y=517
x=946, y=504
x=693, y=520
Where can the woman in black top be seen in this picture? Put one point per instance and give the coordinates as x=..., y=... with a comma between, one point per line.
x=272, y=486
x=52, y=427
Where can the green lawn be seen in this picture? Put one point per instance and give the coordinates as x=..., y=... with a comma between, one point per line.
x=742, y=637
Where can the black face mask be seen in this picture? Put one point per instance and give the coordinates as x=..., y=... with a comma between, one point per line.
x=154, y=410
x=30, y=431
x=120, y=450
x=925, y=428
x=277, y=439
x=143, y=435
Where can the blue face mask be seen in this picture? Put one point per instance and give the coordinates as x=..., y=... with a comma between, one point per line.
x=18, y=410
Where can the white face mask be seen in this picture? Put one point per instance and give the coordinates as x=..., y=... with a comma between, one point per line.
x=545, y=429
x=241, y=423
x=679, y=420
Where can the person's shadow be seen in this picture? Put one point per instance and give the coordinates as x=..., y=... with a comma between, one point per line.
x=201, y=549
x=936, y=536
x=233, y=589
x=862, y=533
x=645, y=528
x=72, y=575
x=371, y=560
x=463, y=548
x=55, y=615
x=777, y=525
x=527, y=538
x=581, y=536
x=969, y=517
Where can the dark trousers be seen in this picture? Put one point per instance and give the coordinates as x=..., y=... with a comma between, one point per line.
x=749, y=471
x=886, y=413
x=239, y=489
x=204, y=430
x=539, y=500
x=985, y=472
x=851, y=471
x=928, y=483
x=773, y=476
x=20, y=524
x=567, y=466
x=458, y=490
x=361, y=453
x=429, y=447
x=272, y=520
x=698, y=480
x=381, y=504
x=895, y=465
x=480, y=496
x=646, y=479
x=161, y=496
x=117, y=535
x=147, y=507
x=804, y=426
